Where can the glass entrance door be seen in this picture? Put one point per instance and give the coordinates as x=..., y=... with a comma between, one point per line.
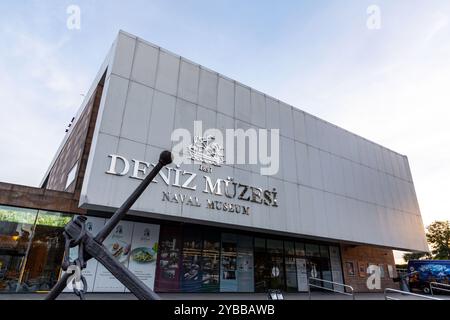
x=261, y=269
x=269, y=265
x=318, y=267
x=276, y=264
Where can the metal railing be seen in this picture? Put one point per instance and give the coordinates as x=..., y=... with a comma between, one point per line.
x=311, y=285
x=386, y=297
x=439, y=287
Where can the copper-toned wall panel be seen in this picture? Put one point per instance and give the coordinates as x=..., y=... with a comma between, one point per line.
x=361, y=257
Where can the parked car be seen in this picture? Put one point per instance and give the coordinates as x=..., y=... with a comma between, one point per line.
x=423, y=272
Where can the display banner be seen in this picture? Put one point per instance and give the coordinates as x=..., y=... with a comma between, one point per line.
x=168, y=270
x=93, y=226
x=119, y=244
x=302, y=275
x=144, y=251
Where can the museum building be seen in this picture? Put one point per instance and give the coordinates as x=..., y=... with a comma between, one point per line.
x=338, y=204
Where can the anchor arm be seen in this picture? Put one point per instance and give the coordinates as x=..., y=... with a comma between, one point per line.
x=93, y=247
x=164, y=159
x=125, y=276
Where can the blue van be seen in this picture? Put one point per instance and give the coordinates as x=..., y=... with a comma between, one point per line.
x=423, y=272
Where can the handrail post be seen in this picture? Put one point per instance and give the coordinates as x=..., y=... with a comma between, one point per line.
x=405, y=293
x=332, y=290
x=439, y=286
x=309, y=288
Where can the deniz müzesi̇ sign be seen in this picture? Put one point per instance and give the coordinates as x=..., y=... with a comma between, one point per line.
x=176, y=177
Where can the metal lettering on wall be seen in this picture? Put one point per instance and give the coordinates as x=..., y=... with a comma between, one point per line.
x=227, y=188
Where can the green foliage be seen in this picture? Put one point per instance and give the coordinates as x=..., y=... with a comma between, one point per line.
x=28, y=216
x=438, y=237
x=52, y=219
x=416, y=256
x=17, y=216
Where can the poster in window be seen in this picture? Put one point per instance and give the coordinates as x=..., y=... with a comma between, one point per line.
x=119, y=244
x=302, y=274
x=93, y=226
x=362, y=269
x=144, y=251
x=210, y=265
x=191, y=275
x=168, y=267
x=350, y=268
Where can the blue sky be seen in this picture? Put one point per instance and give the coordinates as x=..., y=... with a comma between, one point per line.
x=389, y=85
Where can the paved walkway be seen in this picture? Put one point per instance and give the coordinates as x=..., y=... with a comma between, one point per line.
x=212, y=296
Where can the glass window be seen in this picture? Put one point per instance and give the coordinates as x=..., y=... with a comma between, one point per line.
x=46, y=252
x=336, y=266
x=245, y=275
x=228, y=282
x=201, y=251
x=261, y=265
x=289, y=248
x=237, y=263
x=275, y=246
x=312, y=250
x=290, y=265
x=16, y=232
x=191, y=280
x=31, y=248
x=260, y=244
x=210, y=262
x=326, y=272
x=324, y=252
x=168, y=271
x=71, y=176
x=299, y=249
x=275, y=264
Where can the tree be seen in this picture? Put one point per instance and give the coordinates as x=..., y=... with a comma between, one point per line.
x=438, y=237
x=415, y=256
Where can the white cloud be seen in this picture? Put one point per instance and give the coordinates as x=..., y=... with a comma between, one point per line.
x=40, y=92
x=441, y=21
x=397, y=95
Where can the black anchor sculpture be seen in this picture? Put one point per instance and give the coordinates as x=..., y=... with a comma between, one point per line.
x=90, y=246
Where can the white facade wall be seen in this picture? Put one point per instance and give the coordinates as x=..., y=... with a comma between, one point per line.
x=331, y=184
